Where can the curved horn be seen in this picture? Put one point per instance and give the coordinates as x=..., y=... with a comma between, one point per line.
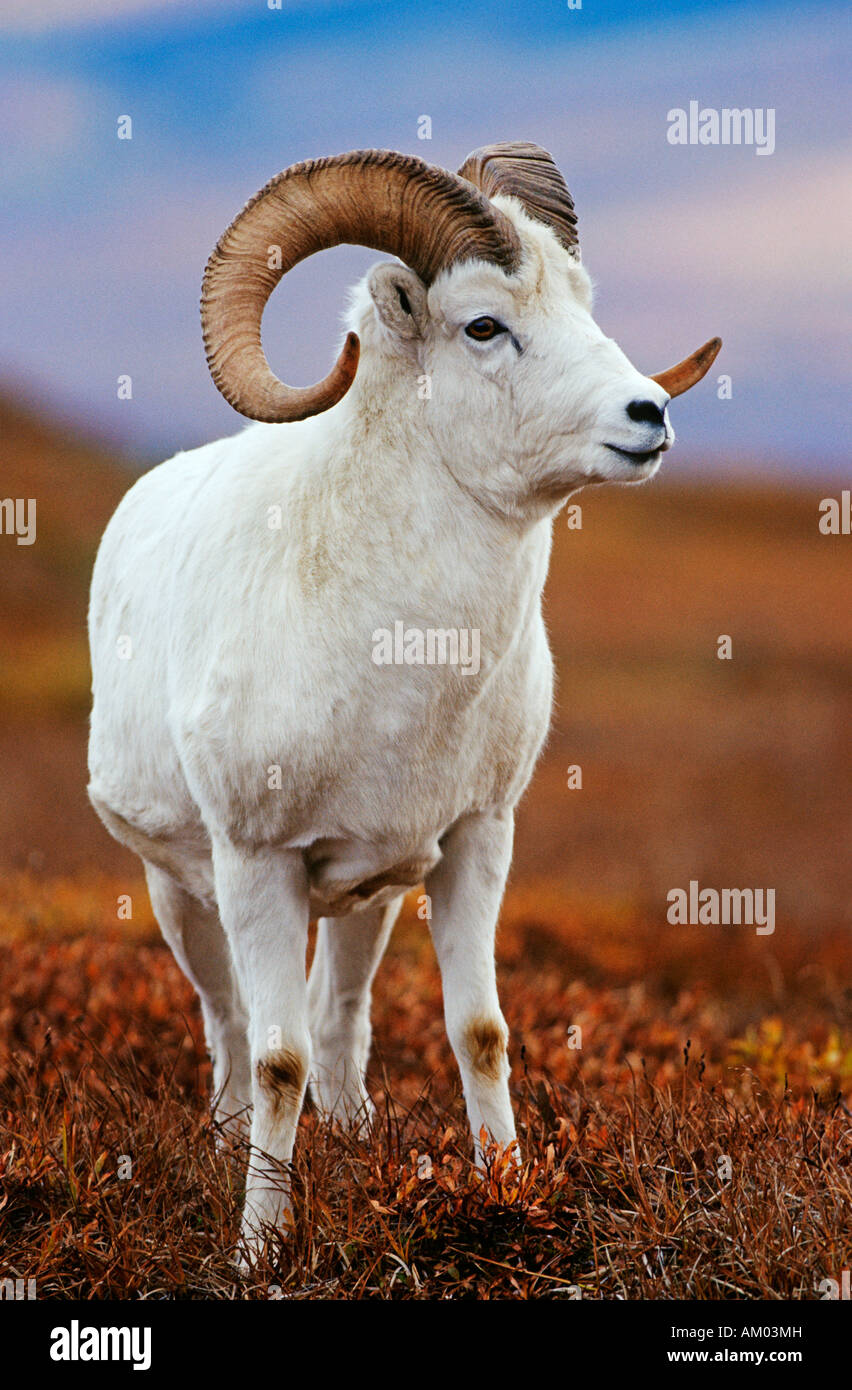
x=530, y=174
x=396, y=203
x=679, y=379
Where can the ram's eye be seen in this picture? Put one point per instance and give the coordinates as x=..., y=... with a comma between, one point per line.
x=484, y=328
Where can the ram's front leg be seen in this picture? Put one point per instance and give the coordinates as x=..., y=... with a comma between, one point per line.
x=263, y=901
x=465, y=889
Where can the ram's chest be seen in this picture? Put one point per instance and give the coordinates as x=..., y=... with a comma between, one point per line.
x=390, y=764
x=448, y=755
x=408, y=785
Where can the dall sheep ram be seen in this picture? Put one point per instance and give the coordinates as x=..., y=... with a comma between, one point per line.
x=272, y=731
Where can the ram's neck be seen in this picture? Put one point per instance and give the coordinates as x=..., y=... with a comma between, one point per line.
x=393, y=504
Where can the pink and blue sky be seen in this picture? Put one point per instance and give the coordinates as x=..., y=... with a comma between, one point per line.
x=103, y=241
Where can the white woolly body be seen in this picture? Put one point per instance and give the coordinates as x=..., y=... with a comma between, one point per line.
x=252, y=649
x=426, y=497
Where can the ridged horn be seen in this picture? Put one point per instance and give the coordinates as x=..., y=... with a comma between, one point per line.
x=530, y=174
x=679, y=379
x=391, y=202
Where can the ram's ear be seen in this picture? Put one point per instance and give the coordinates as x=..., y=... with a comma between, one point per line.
x=400, y=299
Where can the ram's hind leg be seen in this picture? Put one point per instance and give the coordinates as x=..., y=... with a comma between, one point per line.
x=198, y=942
x=348, y=952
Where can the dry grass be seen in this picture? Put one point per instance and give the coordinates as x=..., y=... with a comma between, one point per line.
x=714, y=1053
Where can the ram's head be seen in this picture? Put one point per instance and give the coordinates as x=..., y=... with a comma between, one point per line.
x=488, y=301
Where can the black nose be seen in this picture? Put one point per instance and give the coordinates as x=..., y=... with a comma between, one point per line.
x=646, y=413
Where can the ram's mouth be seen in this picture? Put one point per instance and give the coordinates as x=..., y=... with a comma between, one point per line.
x=636, y=456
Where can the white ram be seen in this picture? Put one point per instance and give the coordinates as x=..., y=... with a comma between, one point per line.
x=268, y=731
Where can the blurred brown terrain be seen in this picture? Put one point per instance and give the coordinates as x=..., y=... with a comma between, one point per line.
x=683, y=1119
x=734, y=773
